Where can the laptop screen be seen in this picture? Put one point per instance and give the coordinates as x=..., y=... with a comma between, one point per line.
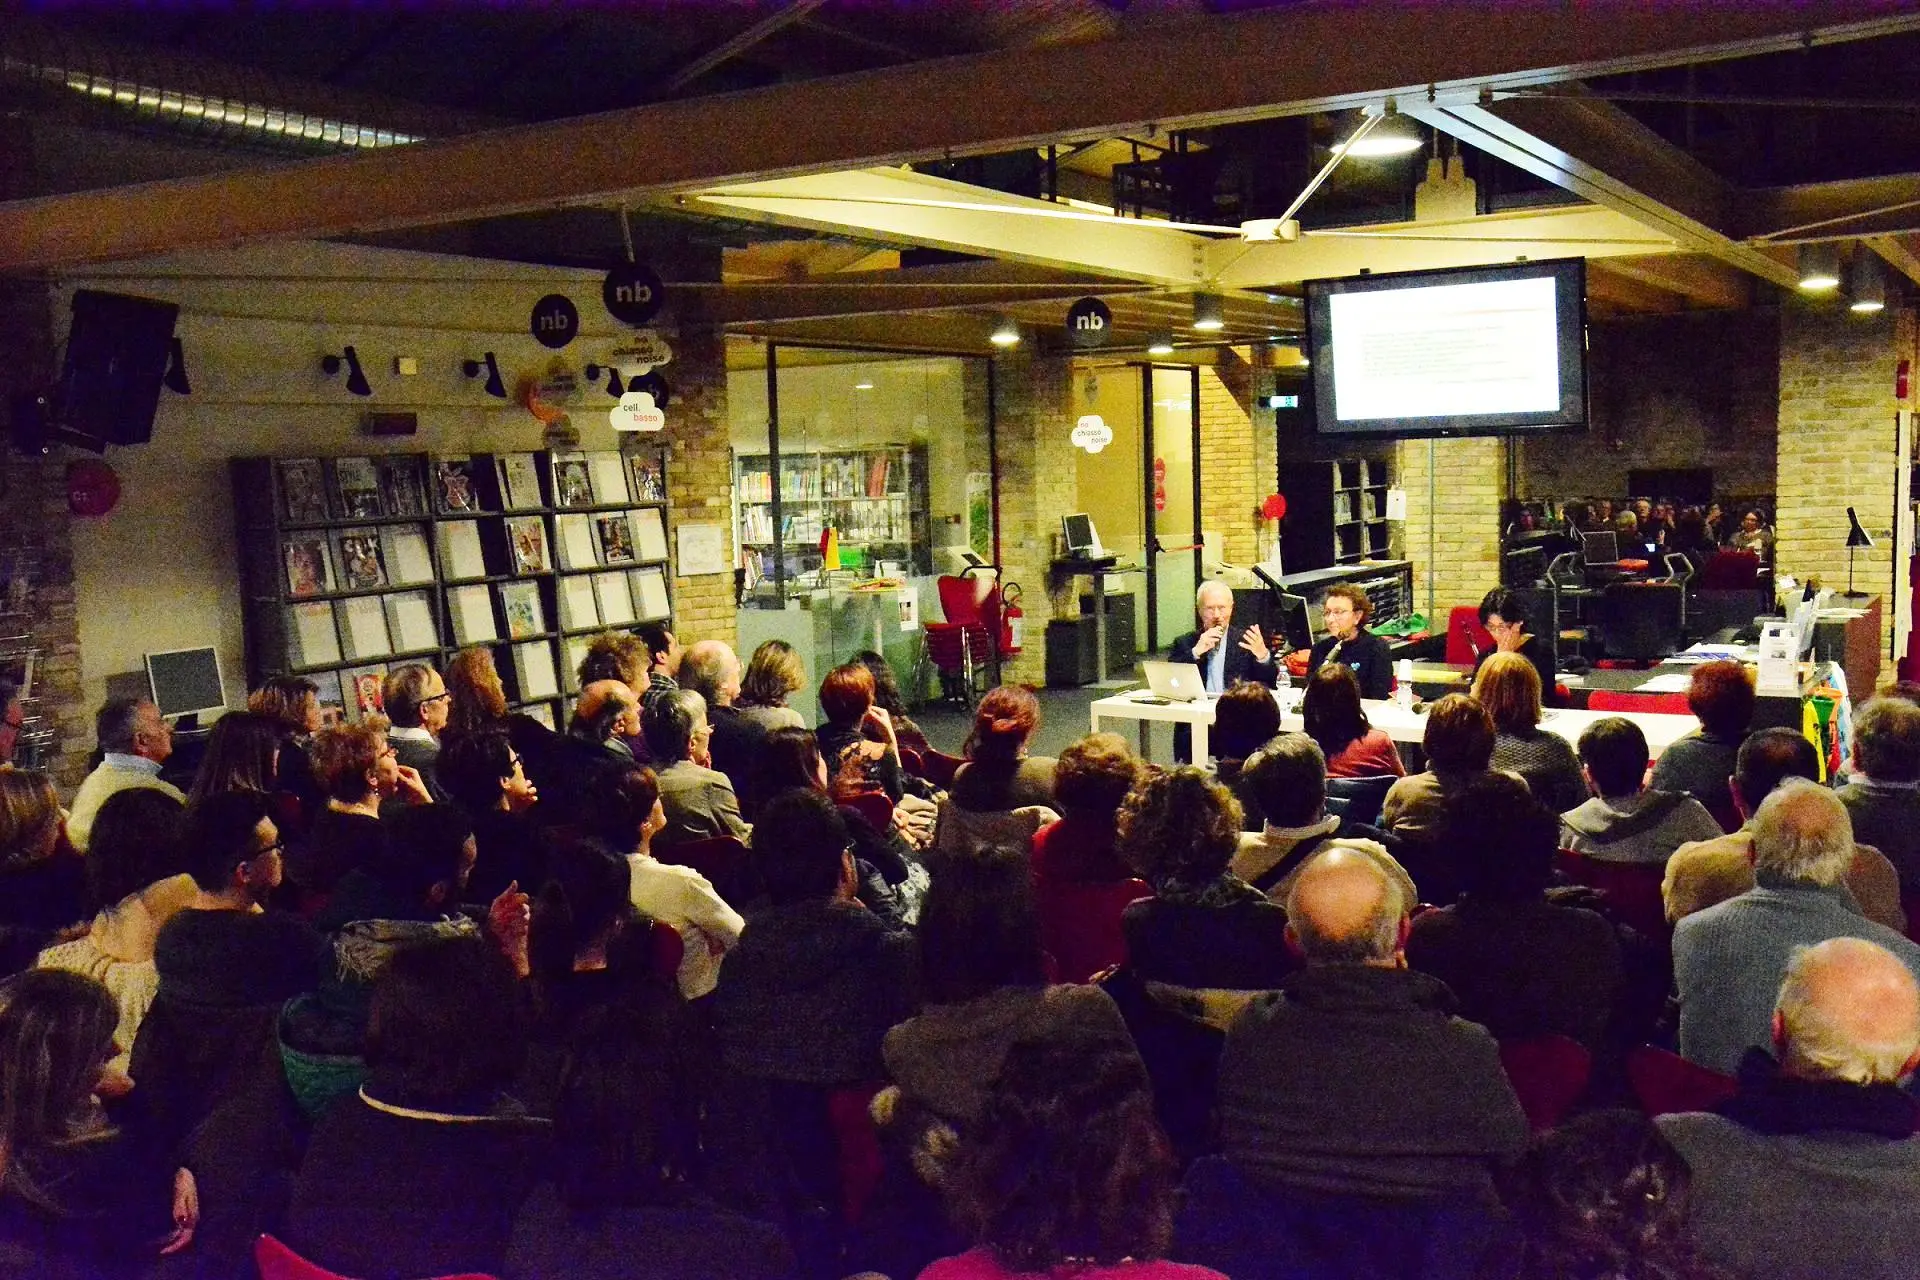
x=1600, y=548
x=1079, y=531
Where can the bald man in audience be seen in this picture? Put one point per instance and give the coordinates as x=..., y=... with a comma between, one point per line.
x=605, y=714
x=1728, y=959
x=1709, y=871
x=1811, y=1170
x=1354, y=1079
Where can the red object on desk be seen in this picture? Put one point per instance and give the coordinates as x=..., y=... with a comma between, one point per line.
x=1632, y=566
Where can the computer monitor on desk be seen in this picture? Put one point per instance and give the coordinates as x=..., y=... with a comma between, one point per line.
x=1599, y=550
x=1082, y=542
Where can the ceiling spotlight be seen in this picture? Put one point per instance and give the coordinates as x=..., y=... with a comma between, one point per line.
x=1209, y=312
x=1006, y=333
x=1820, y=266
x=356, y=380
x=863, y=386
x=473, y=368
x=1393, y=135
x=1160, y=343
x=1866, y=283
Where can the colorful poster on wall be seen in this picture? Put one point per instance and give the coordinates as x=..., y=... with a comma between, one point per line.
x=980, y=513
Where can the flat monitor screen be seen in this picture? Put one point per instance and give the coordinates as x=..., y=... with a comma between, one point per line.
x=1473, y=351
x=1600, y=548
x=1079, y=531
x=186, y=681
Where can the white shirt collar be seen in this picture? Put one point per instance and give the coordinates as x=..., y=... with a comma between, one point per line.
x=409, y=733
x=1325, y=827
x=133, y=763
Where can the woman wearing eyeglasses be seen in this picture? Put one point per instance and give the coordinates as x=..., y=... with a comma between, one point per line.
x=357, y=768
x=1344, y=611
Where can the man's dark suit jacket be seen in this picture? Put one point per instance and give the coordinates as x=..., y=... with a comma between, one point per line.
x=1240, y=665
x=736, y=744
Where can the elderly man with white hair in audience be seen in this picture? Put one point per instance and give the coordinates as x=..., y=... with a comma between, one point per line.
x=1812, y=1170
x=1729, y=958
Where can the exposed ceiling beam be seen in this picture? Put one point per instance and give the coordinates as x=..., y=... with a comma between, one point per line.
x=1188, y=76
x=1608, y=291
x=1703, y=281
x=1598, y=152
x=1843, y=210
x=1900, y=252
x=727, y=50
x=907, y=289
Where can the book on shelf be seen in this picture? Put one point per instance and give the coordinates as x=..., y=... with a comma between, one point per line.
x=576, y=542
x=454, y=491
x=409, y=560
x=647, y=475
x=356, y=485
x=614, y=597
x=577, y=608
x=410, y=621
x=363, y=689
x=539, y=711
x=575, y=654
x=400, y=485
x=527, y=544
x=650, y=593
x=520, y=605
x=878, y=472
x=572, y=480
x=309, y=566
x=651, y=534
x=609, y=474
x=363, y=622
x=519, y=480
x=360, y=565
x=312, y=640
x=460, y=552
x=533, y=670
x=333, y=708
x=303, y=490
x=470, y=609
x=613, y=535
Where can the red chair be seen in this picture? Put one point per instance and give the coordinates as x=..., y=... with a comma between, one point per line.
x=957, y=646
x=722, y=860
x=1466, y=638
x=1729, y=571
x=665, y=949
x=874, y=806
x=277, y=1262
x=1632, y=889
x=1549, y=1073
x=1647, y=703
x=1665, y=1082
x=913, y=762
x=940, y=767
x=1080, y=925
x=857, y=1146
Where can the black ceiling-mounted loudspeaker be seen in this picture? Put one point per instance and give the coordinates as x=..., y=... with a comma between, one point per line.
x=117, y=352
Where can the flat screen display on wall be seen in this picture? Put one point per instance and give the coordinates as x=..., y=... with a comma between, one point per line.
x=1465, y=352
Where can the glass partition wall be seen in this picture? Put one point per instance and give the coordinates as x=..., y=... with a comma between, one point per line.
x=859, y=477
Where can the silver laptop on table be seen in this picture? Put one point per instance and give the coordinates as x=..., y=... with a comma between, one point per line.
x=1175, y=681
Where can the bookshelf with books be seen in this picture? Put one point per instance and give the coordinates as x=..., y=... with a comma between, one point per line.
x=874, y=496
x=350, y=566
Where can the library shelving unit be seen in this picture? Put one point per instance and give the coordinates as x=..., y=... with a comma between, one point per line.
x=352, y=565
x=1336, y=512
x=875, y=495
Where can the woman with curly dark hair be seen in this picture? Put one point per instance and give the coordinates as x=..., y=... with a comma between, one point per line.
x=1204, y=928
x=1067, y=1172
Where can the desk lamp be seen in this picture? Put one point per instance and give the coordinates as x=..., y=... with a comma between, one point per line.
x=1856, y=539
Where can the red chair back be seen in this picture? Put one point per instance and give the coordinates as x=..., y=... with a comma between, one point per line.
x=1632, y=889
x=1465, y=636
x=1651, y=703
x=963, y=600
x=665, y=949
x=857, y=1145
x=1729, y=571
x=1080, y=925
x=874, y=806
x=1664, y=1082
x=1549, y=1073
x=913, y=762
x=721, y=859
x=940, y=767
x=277, y=1262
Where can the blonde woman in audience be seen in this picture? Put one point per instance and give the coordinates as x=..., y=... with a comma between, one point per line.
x=774, y=674
x=1508, y=686
x=42, y=879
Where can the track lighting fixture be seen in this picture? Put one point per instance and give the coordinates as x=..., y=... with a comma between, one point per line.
x=473, y=368
x=1209, y=312
x=1866, y=283
x=356, y=379
x=1819, y=266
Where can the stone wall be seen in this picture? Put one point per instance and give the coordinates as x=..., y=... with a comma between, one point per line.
x=1462, y=519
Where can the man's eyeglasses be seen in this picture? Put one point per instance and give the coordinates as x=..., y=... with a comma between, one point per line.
x=435, y=697
x=278, y=846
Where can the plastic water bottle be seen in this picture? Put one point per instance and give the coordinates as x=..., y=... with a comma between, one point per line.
x=1283, y=686
x=1403, y=683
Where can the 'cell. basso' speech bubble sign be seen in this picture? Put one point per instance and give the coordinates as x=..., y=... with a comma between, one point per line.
x=1092, y=433
x=637, y=412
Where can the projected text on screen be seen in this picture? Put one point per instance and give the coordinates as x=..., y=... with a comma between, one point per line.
x=1446, y=351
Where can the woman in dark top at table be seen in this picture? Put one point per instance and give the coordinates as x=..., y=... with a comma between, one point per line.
x=1345, y=610
x=1721, y=695
x=1504, y=615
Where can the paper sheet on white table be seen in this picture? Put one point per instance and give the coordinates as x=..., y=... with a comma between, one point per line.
x=1671, y=682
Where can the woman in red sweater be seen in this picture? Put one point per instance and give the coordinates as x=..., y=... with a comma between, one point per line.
x=1336, y=720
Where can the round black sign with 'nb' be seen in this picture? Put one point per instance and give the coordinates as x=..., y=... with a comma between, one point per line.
x=556, y=321
x=633, y=292
x=1089, y=323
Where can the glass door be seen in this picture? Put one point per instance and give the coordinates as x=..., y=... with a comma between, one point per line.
x=1172, y=482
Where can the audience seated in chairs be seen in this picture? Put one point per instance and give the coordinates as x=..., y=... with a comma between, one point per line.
x=890, y=874
x=1727, y=959
x=1067, y=1172
x=134, y=742
x=710, y=669
x=699, y=800
x=1458, y=741
x=887, y=696
x=43, y=881
x=1519, y=966
x=1332, y=715
x=855, y=724
x=1625, y=821
x=1509, y=688
x=1001, y=796
x=1244, y=718
x=292, y=703
x=1809, y=1170
x=1709, y=871
x=1090, y=782
x=774, y=673
x=357, y=769
x=1721, y=696
x=1288, y=778
x=487, y=778
x=1883, y=796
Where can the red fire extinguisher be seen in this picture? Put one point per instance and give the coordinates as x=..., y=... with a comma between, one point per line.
x=1012, y=621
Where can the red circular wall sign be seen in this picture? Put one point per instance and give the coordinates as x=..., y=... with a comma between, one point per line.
x=93, y=487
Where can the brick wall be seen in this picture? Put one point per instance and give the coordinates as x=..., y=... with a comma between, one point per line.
x=700, y=477
x=1463, y=519
x=1837, y=445
x=1038, y=481
x=1230, y=476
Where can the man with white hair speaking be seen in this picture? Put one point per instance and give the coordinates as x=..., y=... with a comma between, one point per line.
x=1728, y=960
x=1225, y=654
x=1810, y=1170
